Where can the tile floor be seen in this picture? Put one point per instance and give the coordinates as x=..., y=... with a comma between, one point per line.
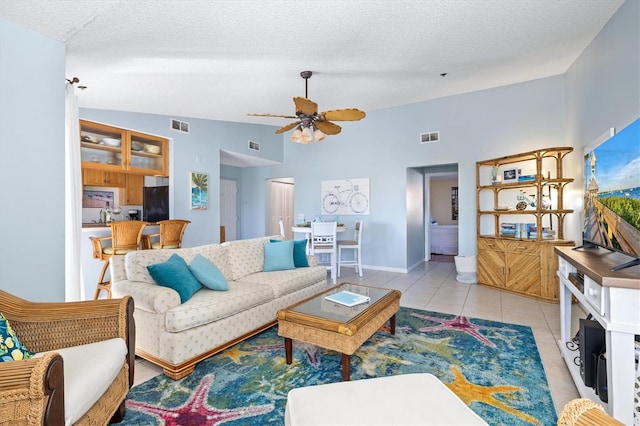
x=433, y=286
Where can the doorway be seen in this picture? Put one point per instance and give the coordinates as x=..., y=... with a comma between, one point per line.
x=229, y=208
x=280, y=206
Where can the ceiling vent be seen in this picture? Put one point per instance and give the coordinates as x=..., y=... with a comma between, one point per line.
x=179, y=126
x=254, y=146
x=430, y=137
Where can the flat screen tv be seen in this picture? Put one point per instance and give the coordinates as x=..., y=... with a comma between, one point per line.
x=612, y=194
x=155, y=205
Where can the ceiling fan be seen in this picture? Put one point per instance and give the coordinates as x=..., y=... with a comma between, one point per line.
x=311, y=124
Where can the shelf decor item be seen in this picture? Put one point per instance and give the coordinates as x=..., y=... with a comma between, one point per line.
x=510, y=175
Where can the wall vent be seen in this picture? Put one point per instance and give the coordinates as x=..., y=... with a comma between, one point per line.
x=254, y=146
x=430, y=137
x=179, y=126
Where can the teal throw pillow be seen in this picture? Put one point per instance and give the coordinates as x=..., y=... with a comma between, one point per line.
x=300, y=254
x=174, y=273
x=278, y=256
x=208, y=274
x=11, y=349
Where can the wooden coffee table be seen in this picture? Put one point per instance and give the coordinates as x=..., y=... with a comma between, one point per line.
x=336, y=327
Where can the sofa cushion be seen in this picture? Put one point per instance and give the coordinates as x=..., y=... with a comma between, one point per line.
x=136, y=262
x=174, y=273
x=300, y=254
x=207, y=306
x=245, y=256
x=285, y=282
x=208, y=274
x=89, y=370
x=11, y=348
x=278, y=256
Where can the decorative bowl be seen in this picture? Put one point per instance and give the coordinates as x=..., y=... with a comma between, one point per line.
x=152, y=149
x=136, y=146
x=111, y=141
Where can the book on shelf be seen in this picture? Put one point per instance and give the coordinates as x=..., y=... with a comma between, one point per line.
x=348, y=298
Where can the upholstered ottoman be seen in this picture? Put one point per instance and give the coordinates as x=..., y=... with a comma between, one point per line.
x=409, y=399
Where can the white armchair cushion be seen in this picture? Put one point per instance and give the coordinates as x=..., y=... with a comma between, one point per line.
x=89, y=370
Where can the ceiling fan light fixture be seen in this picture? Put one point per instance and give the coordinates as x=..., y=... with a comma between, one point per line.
x=296, y=136
x=318, y=135
x=307, y=136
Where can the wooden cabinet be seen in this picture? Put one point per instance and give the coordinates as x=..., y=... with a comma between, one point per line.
x=114, y=149
x=92, y=177
x=520, y=218
x=133, y=191
x=613, y=298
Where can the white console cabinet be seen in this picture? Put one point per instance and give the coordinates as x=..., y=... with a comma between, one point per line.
x=613, y=298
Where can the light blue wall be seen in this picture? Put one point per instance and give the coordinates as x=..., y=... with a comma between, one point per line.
x=599, y=91
x=197, y=151
x=31, y=164
x=603, y=91
x=475, y=126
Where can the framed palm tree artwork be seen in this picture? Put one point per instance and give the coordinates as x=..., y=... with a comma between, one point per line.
x=199, y=190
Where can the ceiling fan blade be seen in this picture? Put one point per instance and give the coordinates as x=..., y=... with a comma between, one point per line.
x=305, y=106
x=348, y=114
x=272, y=115
x=327, y=127
x=287, y=127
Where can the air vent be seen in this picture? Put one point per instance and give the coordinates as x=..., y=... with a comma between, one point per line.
x=179, y=126
x=430, y=137
x=254, y=146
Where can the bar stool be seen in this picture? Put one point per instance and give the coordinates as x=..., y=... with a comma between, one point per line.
x=323, y=241
x=125, y=237
x=170, y=235
x=356, y=246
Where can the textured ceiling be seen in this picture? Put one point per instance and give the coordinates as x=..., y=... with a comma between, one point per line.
x=223, y=59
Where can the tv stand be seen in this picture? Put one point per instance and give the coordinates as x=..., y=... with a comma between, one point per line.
x=613, y=299
x=587, y=245
x=626, y=265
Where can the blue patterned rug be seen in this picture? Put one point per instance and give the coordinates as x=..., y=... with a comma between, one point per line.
x=494, y=367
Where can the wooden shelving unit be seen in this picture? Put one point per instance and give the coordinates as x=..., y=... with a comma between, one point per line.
x=523, y=262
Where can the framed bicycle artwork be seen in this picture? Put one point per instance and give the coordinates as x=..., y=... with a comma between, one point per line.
x=345, y=196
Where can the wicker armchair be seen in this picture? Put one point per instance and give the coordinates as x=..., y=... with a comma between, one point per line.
x=32, y=391
x=169, y=237
x=585, y=412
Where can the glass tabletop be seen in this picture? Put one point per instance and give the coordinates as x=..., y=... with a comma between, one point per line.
x=320, y=307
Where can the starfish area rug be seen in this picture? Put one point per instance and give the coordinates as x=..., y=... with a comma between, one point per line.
x=494, y=367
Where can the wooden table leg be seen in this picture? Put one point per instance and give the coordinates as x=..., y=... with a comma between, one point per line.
x=288, y=350
x=346, y=367
x=392, y=324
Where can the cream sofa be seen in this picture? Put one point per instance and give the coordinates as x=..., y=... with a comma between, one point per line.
x=177, y=336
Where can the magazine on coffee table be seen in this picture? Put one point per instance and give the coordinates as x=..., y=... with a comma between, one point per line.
x=348, y=298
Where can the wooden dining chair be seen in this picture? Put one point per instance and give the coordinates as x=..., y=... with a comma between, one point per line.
x=125, y=237
x=169, y=235
x=324, y=241
x=356, y=246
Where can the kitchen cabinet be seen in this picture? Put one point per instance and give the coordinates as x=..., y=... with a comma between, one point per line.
x=114, y=149
x=92, y=177
x=515, y=248
x=133, y=192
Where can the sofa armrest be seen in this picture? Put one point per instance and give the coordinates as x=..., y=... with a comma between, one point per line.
x=148, y=297
x=117, y=268
x=312, y=260
x=37, y=383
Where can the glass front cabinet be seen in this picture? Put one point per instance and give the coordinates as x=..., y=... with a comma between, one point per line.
x=113, y=149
